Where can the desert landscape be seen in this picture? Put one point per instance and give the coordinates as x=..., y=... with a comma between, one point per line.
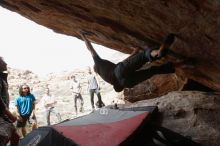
x=59, y=84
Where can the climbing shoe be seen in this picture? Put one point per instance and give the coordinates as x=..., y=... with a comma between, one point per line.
x=168, y=41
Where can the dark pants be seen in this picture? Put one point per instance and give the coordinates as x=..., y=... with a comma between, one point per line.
x=76, y=97
x=7, y=131
x=23, y=122
x=96, y=91
x=52, y=110
x=128, y=75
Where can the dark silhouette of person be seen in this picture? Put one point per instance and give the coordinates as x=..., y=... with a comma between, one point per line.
x=126, y=74
x=7, y=129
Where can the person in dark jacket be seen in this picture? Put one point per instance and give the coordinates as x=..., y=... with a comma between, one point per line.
x=7, y=129
x=126, y=74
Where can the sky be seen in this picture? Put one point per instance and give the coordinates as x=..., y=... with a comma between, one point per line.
x=25, y=44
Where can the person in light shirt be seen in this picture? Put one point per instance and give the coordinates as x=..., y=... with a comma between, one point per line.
x=49, y=104
x=76, y=92
x=94, y=88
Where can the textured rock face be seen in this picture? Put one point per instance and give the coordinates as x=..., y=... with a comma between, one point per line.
x=192, y=114
x=123, y=24
x=155, y=87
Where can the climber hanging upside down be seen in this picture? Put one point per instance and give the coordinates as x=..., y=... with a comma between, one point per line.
x=125, y=74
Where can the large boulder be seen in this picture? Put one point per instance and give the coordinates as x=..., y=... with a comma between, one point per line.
x=124, y=24
x=154, y=87
x=191, y=113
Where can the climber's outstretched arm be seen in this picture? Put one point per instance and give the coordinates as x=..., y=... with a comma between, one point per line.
x=89, y=45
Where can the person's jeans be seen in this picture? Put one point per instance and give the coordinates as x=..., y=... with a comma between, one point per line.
x=96, y=91
x=49, y=111
x=76, y=97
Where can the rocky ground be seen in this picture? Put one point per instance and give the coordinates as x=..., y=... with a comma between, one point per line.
x=193, y=114
x=59, y=84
